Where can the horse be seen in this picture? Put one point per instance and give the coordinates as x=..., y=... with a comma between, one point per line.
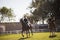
x=51, y=26
x=25, y=28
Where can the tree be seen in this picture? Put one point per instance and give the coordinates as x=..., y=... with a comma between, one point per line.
x=42, y=8
x=32, y=19
x=56, y=7
x=6, y=13
x=39, y=12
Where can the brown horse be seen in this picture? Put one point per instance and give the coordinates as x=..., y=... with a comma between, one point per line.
x=51, y=26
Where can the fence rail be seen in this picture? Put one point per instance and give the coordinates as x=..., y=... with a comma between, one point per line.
x=19, y=31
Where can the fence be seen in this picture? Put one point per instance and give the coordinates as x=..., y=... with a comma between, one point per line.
x=11, y=32
x=19, y=31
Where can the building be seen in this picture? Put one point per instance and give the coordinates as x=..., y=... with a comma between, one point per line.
x=2, y=28
x=10, y=27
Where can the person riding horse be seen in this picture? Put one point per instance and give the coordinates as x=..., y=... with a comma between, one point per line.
x=28, y=26
x=25, y=26
x=51, y=26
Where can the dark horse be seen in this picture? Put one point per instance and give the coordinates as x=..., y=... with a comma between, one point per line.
x=25, y=28
x=51, y=25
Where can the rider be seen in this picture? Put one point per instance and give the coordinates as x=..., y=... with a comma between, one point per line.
x=25, y=19
x=51, y=26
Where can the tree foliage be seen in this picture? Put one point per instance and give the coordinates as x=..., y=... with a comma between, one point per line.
x=42, y=8
x=6, y=12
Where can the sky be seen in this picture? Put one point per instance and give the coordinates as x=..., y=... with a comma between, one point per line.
x=19, y=7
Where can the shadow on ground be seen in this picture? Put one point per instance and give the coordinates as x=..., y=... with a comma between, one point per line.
x=23, y=38
x=52, y=36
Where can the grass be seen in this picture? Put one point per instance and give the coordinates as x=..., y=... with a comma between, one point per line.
x=36, y=36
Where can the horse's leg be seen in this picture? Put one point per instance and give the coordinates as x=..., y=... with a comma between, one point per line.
x=50, y=30
x=27, y=33
x=31, y=31
x=22, y=33
x=53, y=32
